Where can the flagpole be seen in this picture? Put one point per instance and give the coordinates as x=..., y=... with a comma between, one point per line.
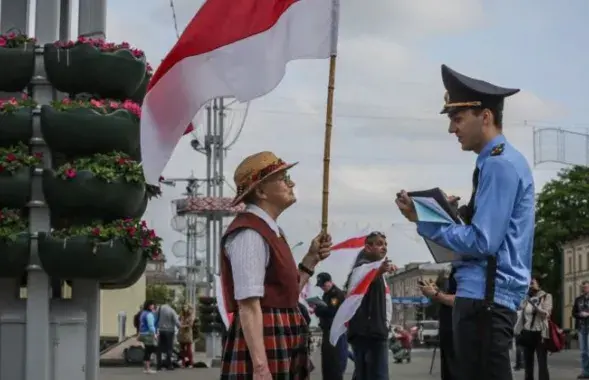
x=329, y=119
x=327, y=146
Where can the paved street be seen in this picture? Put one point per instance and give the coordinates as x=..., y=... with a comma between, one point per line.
x=562, y=366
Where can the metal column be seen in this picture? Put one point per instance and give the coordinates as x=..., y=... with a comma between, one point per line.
x=14, y=14
x=92, y=17
x=38, y=365
x=91, y=21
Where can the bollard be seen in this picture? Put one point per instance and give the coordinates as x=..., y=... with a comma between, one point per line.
x=122, y=326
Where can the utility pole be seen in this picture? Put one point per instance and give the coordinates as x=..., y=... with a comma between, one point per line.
x=212, y=208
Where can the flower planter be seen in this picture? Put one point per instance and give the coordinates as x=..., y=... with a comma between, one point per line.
x=128, y=280
x=16, y=127
x=79, y=258
x=83, y=131
x=21, y=62
x=141, y=90
x=92, y=197
x=84, y=68
x=15, y=188
x=14, y=256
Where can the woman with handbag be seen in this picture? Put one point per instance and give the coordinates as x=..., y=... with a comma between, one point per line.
x=148, y=334
x=185, y=336
x=532, y=328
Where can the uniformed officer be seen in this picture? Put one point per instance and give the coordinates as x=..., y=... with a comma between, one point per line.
x=333, y=359
x=496, y=242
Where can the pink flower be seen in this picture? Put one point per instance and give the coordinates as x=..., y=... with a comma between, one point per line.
x=96, y=103
x=66, y=101
x=24, y=96
x=11, y=35
x=2, y=41
x=70, y=172
x=114, y=105
x=13, y=102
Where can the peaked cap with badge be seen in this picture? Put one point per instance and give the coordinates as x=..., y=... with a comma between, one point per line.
x=463, y=92
x=253, y=170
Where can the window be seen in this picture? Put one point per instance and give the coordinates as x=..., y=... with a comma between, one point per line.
x=570, y=266
x=579, y=263
x=570, y=295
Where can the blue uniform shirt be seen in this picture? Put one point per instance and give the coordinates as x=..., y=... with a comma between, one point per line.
x=503, y=224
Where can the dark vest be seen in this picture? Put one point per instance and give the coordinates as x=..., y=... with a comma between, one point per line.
x=281, y=284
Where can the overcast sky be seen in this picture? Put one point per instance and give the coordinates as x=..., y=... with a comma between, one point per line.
x=388, y=134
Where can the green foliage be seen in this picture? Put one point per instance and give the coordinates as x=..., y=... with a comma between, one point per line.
x=13, y=104
x=11, y=224
x=159, y=293
x=562, y=215
x=100, y=106
x=133, y=232
x=107, y=167
x=15, y=40
x=16, y=157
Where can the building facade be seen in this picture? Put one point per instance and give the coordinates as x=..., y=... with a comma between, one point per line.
x=404, y=283
x=575, y=266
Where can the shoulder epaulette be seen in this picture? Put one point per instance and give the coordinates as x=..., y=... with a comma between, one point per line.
x=498, y=150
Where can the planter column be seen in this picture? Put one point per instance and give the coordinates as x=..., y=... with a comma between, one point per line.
x=38, y=360
x=91, y=21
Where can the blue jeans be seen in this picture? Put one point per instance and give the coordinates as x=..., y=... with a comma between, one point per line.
x=584, y=347
x=371, y=359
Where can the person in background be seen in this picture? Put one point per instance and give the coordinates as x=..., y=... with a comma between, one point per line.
x=185, y=336
x=581, y=316
x=148, y=334
x=532, y=329
x=446, y=300
x=368, y=329
x=334, y=360
x=167, y=323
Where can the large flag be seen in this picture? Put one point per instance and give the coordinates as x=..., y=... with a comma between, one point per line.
x=230, y=49
x=352, y=243
x=360, y=280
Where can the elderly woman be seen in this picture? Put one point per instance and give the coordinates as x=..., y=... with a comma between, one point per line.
x=268, y=337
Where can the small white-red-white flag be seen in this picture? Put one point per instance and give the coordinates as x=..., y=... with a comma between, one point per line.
x=221, y=304
x=229, y=49
x=360, y=280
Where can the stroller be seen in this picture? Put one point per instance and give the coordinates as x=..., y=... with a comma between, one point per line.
x=400, y=346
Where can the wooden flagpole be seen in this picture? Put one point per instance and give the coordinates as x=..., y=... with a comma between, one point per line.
x=327, y=146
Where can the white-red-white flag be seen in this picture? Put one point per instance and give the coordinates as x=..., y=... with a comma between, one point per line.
x=221, y=303
x=360, y=280
x=230, y=49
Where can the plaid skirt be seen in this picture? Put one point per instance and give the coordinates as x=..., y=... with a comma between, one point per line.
x=286, y=339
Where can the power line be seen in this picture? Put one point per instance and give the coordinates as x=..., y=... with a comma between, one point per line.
x=175, y=20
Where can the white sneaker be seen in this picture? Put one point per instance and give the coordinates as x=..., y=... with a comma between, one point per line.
x=149, y=371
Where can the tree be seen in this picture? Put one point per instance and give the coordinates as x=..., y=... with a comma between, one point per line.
x=159, y=293
x=562, y=215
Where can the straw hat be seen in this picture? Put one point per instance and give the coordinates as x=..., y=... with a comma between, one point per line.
x=253, y=170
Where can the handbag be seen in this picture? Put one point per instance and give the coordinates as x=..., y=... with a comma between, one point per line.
x=148, y=339
x=526, y=338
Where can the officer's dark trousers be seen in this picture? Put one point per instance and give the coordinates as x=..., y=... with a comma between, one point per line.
x=482, y=343
x=331, y=359
x=447, y=357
